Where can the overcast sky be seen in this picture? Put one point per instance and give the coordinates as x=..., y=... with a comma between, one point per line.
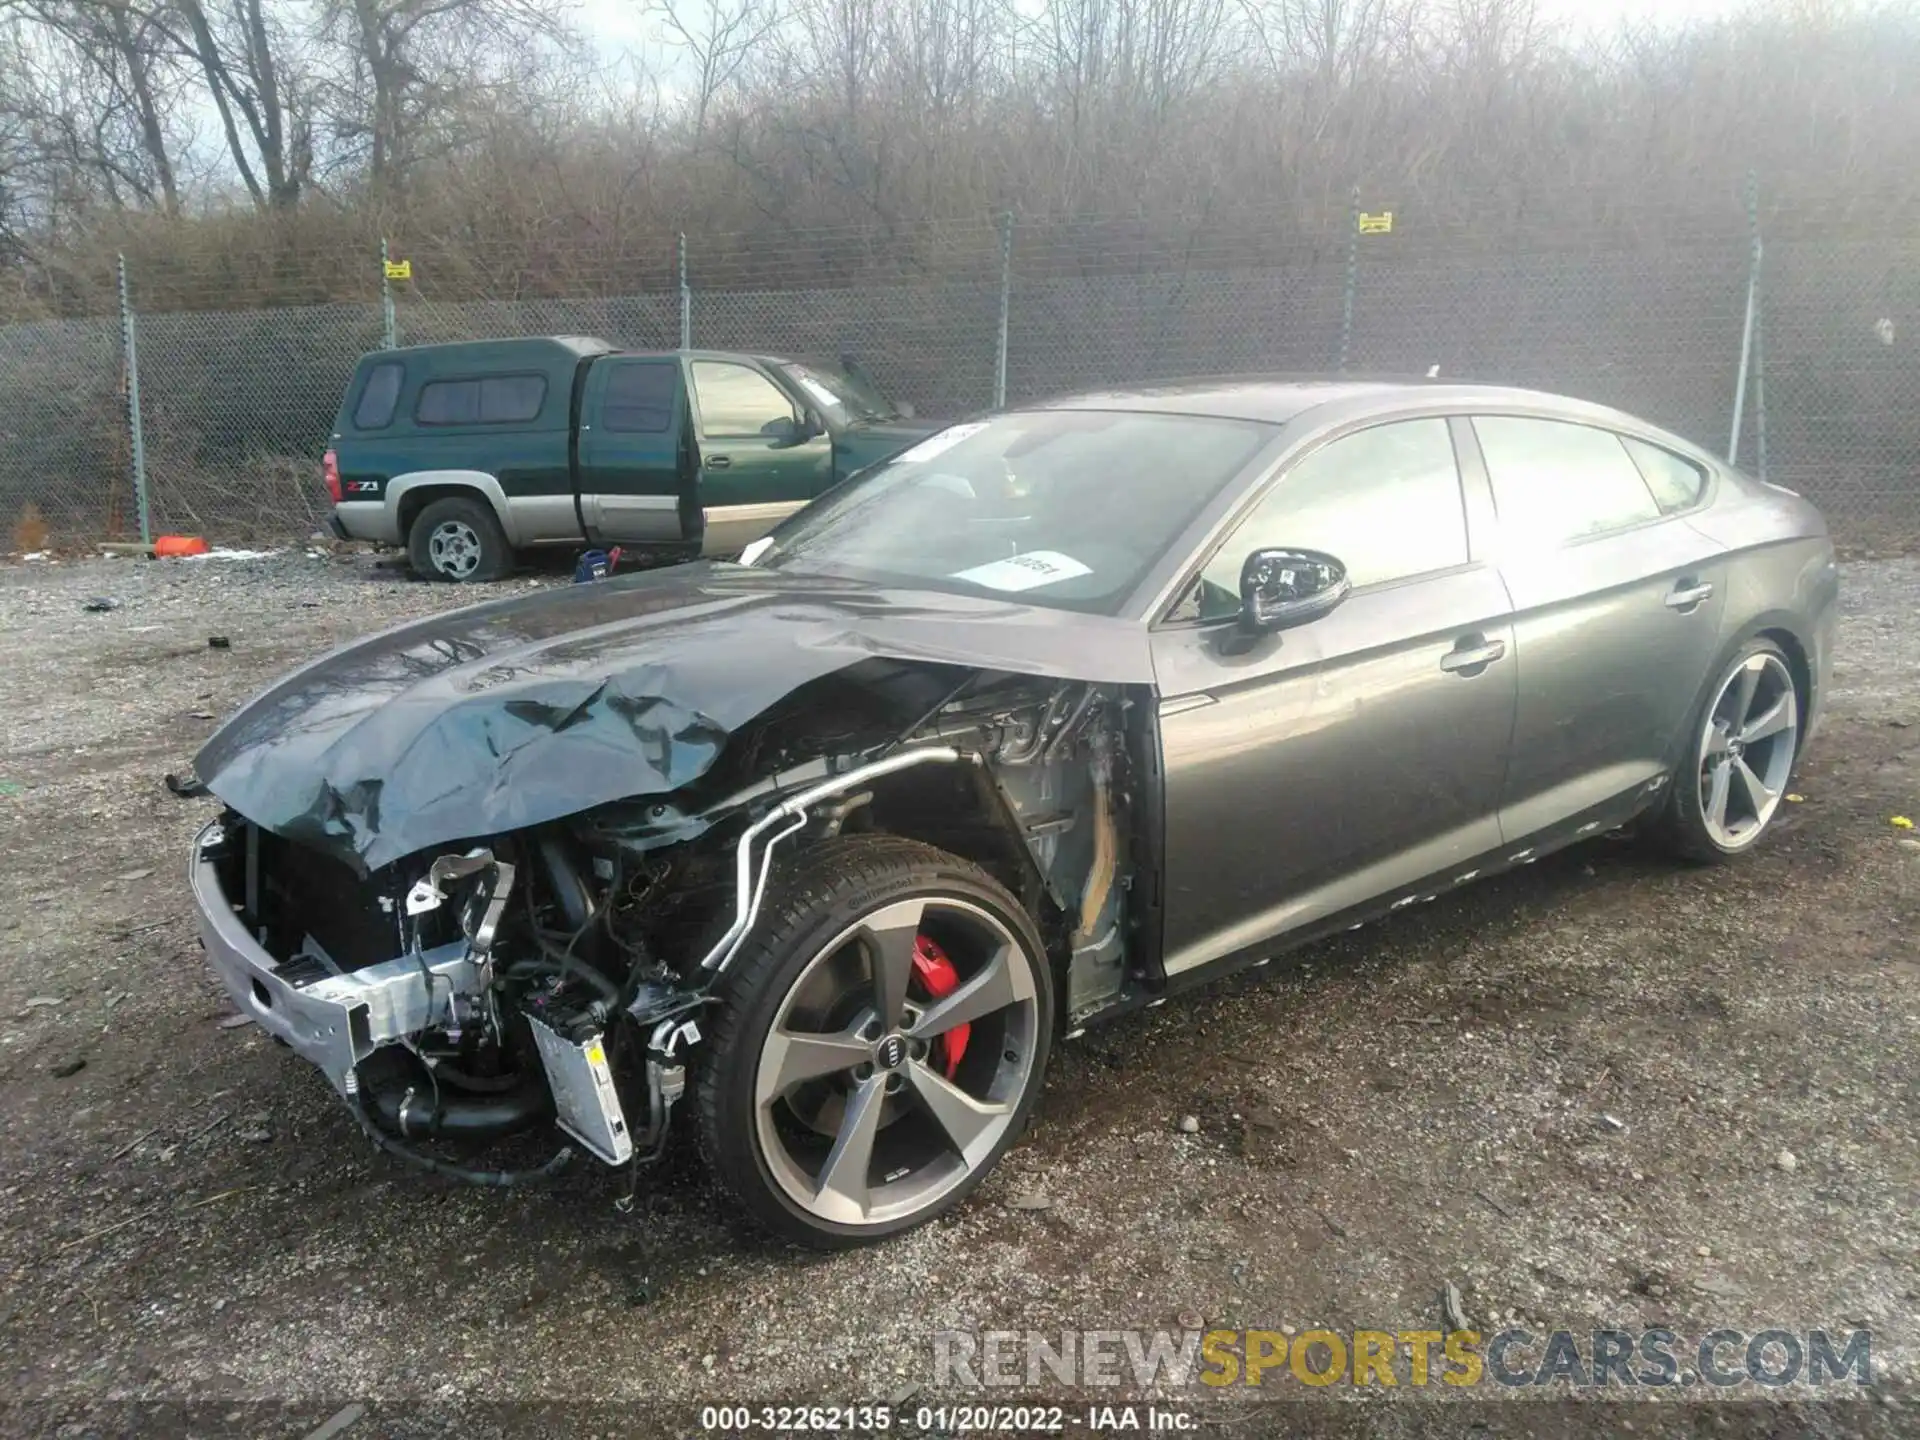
x=623, y=26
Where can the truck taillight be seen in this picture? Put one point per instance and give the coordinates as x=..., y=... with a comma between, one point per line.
x=330, y=472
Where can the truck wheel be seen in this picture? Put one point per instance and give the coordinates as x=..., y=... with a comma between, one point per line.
x=879, y=1045
x=458, y=540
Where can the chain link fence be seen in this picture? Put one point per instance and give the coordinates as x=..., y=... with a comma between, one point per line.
x=236, y=406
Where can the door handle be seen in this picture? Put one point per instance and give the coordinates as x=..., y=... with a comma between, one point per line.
x=719, y=462
x=1685, y=596
x=1472, y=657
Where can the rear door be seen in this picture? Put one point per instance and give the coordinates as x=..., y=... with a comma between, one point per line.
x=635, y=466
x=1316, y=769
x=1617, y=612
x=754, y=468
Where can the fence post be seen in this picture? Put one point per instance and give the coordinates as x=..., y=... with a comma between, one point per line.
x=1750, y=325
x=135, y=436
x=1759, y=325
x=389, y=331
x=1006, y=309
x=686, y=298
x=1353, y=278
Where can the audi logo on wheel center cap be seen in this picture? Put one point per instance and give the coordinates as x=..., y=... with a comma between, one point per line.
x=891, y=1052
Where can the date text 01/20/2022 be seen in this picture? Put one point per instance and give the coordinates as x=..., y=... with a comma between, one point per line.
x=939, y=1419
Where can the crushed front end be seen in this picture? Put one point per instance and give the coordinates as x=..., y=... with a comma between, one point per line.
x=464, y=997
x=561, y=975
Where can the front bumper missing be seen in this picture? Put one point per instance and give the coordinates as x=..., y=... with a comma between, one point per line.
x=334, y=1020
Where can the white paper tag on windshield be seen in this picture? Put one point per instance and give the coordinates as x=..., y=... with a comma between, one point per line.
x=819, y=392
x=939, y=444
x=1025, y=572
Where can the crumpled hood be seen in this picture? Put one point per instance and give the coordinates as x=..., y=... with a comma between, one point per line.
x=525, y=710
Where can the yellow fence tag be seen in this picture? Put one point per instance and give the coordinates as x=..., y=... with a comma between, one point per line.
x=399, y=269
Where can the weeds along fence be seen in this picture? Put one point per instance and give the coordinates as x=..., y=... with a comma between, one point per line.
x=235, y=405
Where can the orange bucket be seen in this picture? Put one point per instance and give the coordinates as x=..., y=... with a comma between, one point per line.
x=173, y=545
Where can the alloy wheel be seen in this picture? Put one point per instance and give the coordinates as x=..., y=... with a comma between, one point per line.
x=1747, y=750
x=454, y=548
x=871, y=1102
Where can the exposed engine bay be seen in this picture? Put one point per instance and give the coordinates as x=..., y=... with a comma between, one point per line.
x=563, y=973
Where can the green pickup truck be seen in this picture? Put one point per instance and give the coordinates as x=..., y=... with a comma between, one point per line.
x=471, y=452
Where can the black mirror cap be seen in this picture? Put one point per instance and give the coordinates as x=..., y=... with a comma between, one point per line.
x=1281, y=588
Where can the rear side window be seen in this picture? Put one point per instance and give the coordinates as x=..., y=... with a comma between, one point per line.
x=1555, y=481
x=378, y=397
x=496, y=400
x=639, y=398
x=1676, y=482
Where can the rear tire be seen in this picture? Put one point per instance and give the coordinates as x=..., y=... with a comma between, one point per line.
x=830, y=1128
x=459, y=540
x=1739, y=760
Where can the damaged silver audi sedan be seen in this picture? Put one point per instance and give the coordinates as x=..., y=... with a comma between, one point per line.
x=1044, y=718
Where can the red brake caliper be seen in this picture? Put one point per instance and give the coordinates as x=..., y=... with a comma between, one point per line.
x=936, y=973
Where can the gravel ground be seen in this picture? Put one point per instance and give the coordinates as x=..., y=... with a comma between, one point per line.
x=191, y=1216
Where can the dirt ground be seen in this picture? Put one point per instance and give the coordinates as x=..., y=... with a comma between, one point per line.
x=1603, y=1091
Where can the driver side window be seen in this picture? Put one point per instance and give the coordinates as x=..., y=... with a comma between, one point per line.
x=736, y=402
x=1385, y=501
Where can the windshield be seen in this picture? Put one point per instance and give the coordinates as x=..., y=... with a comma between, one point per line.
x=846, y=396
x=1064, y=508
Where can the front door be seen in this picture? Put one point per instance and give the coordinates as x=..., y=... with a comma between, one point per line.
x=1313, y=770
x=1617, y=613
x=634, y=463
x=758, y=464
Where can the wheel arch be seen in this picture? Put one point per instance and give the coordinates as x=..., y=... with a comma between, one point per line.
x=1780, y=628
x=959, y=809
x=411, y=493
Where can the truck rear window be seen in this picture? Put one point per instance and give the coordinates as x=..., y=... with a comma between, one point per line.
x=378, y=397
x=495, y=400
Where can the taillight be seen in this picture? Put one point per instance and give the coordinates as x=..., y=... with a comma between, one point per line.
x=330, y=472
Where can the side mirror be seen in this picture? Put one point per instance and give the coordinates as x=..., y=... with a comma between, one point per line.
x=792, y=429
x=1283, y=588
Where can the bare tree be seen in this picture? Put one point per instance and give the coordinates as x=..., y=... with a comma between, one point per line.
x=120, y=54
x=412, y=64
x=718, y=38
x=249, y=62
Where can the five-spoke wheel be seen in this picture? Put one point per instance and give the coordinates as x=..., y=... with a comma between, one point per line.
x=880, y=1044
x=1741, y=757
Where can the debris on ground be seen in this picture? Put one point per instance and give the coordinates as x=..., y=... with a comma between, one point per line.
x=1452, y=1308
x=100, y=604
x=234, y=1022
x=1189, y=1125
x=43, y=1002
x=1785, y=1160
x=65, y=1068
x=1031, y=1200
x=1702, y=979
x=219, y=642
x=179, y=547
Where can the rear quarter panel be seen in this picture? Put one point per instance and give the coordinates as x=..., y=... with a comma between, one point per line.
x=1782, y=575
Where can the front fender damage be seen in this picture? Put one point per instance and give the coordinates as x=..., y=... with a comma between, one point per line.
x=596, y=854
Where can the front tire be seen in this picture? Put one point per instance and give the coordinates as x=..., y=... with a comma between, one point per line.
x=843, y=1100
x=1739, y=758
x=459, y=540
